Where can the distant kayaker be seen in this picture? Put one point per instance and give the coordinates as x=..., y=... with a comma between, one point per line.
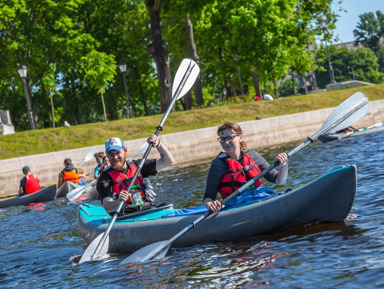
x=236, y=165
x=113, y=182
x=99, y=167
x=69, y=173
x=106, y=163
x=29, y=183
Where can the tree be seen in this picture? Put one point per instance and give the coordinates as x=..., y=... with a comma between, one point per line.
x=368, y=31
x=49, y=83
x=361, y=64
x=100, y=69
x=157, y=50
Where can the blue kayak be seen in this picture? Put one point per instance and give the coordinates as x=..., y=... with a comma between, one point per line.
x=328, y=198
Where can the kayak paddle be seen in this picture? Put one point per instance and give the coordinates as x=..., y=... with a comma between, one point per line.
x=184, y=79
x=74, y=194
x=89, y=156
x=348, y=112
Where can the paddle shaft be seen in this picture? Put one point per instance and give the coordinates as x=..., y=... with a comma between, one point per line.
x=141, y=164
x=324, y=129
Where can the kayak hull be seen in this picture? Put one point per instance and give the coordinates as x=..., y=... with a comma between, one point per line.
x=67, y=187
x=44, y=195
x=328, y=198
x=361, y=132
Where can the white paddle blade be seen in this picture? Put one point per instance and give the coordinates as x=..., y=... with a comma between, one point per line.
x=91, y=249
x=357, y=105
x=146, y=253
x=89, y=156
x=141, y=150
x=74, y=194
x=185, y=77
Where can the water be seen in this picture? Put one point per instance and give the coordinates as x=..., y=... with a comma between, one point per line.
x=37, y=242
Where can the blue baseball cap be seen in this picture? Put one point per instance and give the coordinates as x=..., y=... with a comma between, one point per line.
x=114, y=144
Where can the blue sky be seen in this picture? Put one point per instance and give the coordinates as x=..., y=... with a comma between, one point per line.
x=348, y=20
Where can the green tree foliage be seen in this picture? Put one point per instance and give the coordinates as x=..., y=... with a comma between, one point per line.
x=250, y=42
x=100, y=69
x=361, y=64
x=369, y=31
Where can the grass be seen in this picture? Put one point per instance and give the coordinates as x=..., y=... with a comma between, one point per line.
x=57, y=139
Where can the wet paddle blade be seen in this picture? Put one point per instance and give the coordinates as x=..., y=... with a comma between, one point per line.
x=357, y=104
x=146, y=253
x=91, y=249
x=187, y=68
x=74, y=194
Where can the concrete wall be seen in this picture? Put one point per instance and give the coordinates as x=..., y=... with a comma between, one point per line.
x=185, y=146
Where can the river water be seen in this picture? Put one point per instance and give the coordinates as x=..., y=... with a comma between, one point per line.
x=37, y=242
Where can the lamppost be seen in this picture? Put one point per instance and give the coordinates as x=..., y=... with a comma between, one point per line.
x=323, y=26
x=22, y=69
x=123, y=69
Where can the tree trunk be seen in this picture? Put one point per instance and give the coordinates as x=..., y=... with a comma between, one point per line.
x=305, y=85
x=275, y=88
x=157, y=50
x=102, y=101
x=143, y=98
x=193, y=54
x=293, y=82
x=256, y=84
x=53, y=110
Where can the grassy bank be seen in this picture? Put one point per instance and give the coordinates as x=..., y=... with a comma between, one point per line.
x=49, y=140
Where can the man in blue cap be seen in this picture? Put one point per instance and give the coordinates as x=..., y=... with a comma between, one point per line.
x=113, y=182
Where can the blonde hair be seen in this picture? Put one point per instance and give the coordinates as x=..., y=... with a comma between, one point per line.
x=235, y=128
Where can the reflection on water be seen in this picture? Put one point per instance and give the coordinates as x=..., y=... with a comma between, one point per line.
x=36, y=244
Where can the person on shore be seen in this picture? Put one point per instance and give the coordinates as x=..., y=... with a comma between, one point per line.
x=30, y=183
x=69, y=173
x=99, y=167
x=113, y=182
x=235, y=165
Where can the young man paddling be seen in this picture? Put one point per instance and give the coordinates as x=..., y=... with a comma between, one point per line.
x=29, y=183
x=235, y=166
x=114, y=181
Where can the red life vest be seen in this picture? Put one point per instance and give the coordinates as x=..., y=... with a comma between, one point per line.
x=32, y=184
x=121, y=181
x=71, y=176
x=238, y=174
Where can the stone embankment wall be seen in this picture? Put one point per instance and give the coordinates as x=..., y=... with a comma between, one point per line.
x=186, y=147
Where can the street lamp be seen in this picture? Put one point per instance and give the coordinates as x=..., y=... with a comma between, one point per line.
x=123, y=69
x=323, y=27
x=22, y=69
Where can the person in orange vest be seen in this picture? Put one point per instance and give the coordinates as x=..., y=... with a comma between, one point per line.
x=29, y=183
x=235, y=166
x=69, y=173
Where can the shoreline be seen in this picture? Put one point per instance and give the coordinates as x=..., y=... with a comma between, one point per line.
x=187, y=147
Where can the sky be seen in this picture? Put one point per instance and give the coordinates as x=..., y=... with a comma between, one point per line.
x=348, y=20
